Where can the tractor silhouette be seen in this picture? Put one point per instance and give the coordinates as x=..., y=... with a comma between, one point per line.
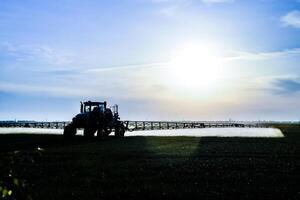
x=96, y=117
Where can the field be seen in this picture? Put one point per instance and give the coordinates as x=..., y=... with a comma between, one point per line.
x=47, y=167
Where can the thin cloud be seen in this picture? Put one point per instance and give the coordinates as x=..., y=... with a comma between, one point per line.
x=286, y=86
x=170, y=8
x=168, y=1
x=240, y=55
x=110, y=80
x=169, y=11
x=25, y=52
x=204, y=1
x=217, y=1
x=292, y=19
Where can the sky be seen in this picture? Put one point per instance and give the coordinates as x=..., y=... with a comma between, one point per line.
x=156, y=59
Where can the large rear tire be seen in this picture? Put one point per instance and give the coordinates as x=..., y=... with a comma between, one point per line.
x=120, y=131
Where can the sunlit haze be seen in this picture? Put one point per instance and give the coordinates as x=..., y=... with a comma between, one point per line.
x=159, y=60
x=195, y=66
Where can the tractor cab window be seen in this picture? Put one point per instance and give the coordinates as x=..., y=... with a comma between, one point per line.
x=94, y=108
x=97, y=108
x=87, y=109
x=101, y=108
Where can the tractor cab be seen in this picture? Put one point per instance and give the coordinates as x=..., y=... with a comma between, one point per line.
x=89, y=106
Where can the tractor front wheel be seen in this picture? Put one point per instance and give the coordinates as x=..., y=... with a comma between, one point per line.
x=69, y=131
x=88, y=132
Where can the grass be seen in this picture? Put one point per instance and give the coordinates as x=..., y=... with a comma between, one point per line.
x=48, y=167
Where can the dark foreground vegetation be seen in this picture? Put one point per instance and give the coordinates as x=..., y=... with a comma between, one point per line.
x=47, y=167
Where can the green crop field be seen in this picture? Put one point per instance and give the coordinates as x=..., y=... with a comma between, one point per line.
x=48, y=167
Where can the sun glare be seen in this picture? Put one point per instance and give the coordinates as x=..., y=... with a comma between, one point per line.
x=196, y=66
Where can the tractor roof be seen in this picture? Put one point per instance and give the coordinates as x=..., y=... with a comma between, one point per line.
x=94, y=103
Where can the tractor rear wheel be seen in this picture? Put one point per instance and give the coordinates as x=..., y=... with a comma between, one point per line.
x=107, y=130
x=120, y=131
x=69, y=131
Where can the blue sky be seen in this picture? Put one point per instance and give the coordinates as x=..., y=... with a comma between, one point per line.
x=54, y=54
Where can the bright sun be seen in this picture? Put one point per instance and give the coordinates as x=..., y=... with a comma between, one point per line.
x=196, y=66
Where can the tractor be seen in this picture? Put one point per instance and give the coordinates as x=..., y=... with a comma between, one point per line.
x=96, y=117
